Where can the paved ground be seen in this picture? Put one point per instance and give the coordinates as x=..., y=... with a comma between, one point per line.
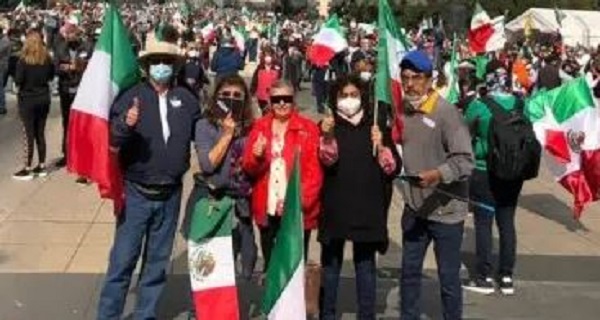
x=55, y=236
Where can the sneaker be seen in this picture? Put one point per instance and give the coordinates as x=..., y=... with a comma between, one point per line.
x=507, y=286
x=40, y=171
x=81, y=180
x=3, y=112
x=482, y=286
x=61, y=162
x=23, y=175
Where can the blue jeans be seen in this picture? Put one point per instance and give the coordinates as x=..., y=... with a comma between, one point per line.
x=503, y=195
x=417, y=234
x=2, y=89
x=332, y=257
x=156, y=222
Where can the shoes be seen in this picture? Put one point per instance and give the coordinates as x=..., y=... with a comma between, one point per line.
x=40, y=171
x=507, y=286
x=61, y=162
x=23, y=175
x=82, y=180
x=2, y=112
x=482, y=286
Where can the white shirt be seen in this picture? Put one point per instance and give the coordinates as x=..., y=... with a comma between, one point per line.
x=163, y=108
x=277, y=178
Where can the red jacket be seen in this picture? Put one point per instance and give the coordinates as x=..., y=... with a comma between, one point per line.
x=303, y=135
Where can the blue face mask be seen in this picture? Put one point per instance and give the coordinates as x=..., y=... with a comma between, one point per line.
x=161, y=73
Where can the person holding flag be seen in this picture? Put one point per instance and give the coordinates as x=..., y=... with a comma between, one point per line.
x=152, y=126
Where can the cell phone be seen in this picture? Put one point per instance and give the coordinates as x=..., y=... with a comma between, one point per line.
x=222, y=110
x=412, y=179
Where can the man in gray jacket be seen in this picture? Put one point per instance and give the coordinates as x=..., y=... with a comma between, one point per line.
x=5, y=51
x=438, y=160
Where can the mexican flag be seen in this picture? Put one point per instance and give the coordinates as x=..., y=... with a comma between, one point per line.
x=391, y=48
x=452, y=93
x=208, y=32
x=567, y=123
x=211, y=261
x=284, y=287
x=329, y=41
x=111, y=70
x=485, y=34
x=240, y=36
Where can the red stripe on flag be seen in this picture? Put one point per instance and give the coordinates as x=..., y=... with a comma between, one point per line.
x=590, y=165
x=479, y=37
x=218, y=303
x=320, y=55
x=89, y=155
x=558, y=146
x=398, y=125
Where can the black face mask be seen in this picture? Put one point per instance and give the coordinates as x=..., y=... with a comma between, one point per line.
x=73, y=44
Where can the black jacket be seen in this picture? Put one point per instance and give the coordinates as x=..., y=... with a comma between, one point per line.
x=144, y=156
x=356, y=192
x=32, y=81
x=68, y=81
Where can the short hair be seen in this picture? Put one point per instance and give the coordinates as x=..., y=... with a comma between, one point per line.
x=281, y=84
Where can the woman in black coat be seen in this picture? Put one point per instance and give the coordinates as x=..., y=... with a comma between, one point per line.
x=356, y=194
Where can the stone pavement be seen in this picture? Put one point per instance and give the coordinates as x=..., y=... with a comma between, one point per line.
x=55, y=237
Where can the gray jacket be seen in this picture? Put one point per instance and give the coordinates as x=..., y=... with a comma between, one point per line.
x=438, y=140
x=5, y=51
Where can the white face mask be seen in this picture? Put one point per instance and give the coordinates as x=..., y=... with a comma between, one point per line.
x=348, y=106
x=415, y=101
x=366, y=76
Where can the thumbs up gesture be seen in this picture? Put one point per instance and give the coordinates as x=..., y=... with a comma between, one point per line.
x=260, y=146
x=133, y=113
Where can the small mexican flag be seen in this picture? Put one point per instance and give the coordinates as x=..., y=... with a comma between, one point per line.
x=112, y=69
x=329, y=41
x=452, y=94
x=391, y=49
x=240, y=36
x=284, y=287
x=211, y=261
x=567, y=123
x=485, y=34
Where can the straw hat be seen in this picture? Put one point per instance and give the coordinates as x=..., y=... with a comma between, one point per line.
x=160, y=50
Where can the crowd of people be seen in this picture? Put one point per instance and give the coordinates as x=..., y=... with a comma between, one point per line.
x=246, y=136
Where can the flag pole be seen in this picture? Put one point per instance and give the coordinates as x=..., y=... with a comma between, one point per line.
x=375, y=120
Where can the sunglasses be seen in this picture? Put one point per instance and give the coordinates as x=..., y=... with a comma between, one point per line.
x=283, y=100
x=231, y=94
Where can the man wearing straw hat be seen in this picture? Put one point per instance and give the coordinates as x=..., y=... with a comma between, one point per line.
x=152, y=125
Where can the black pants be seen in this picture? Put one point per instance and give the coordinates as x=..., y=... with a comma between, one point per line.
x=268, y=237
x=34, y=116
x=503, y=195
x=66, y=100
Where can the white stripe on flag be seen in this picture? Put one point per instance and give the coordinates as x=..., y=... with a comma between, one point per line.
x=291, y=305
x=96, y=91
x=216, y=252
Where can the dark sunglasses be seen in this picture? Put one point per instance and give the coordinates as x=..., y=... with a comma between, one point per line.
x=231, y=94
x=275, y=100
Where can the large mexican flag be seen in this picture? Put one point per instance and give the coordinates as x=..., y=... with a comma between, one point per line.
x=112, y=69
x=284, y=288
x=211, y=261
x=567, y=123
x=391, y=49
x=329, y=41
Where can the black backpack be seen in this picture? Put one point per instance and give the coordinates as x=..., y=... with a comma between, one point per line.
x=514, y=152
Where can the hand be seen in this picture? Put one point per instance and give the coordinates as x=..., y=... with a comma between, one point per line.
x=327, y=126
x=228, y=125
x=260, y=146
x=376, y=137
x=133, y=113
x=430, y=178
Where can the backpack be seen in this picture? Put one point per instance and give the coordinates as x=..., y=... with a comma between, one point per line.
x=514, y=152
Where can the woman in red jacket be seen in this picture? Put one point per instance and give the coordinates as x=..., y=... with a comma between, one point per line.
x=267, y=73
x=268, y=159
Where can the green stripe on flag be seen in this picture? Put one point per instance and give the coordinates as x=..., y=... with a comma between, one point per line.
x=288, y=253
x=453, y=94
x=114, y=40
x=564, y=102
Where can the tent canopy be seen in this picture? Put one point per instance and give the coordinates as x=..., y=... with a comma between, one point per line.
x=578, y=27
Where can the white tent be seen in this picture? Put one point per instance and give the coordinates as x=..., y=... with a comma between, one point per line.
x=578, y=27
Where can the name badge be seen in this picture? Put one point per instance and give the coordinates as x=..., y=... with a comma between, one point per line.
x=175, y=103
x=428, y=122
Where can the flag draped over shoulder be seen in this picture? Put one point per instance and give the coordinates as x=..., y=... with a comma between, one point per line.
x=566, y=121
x=329, y=41
x=111, y=70
x=284, y=287
x=391, y=48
